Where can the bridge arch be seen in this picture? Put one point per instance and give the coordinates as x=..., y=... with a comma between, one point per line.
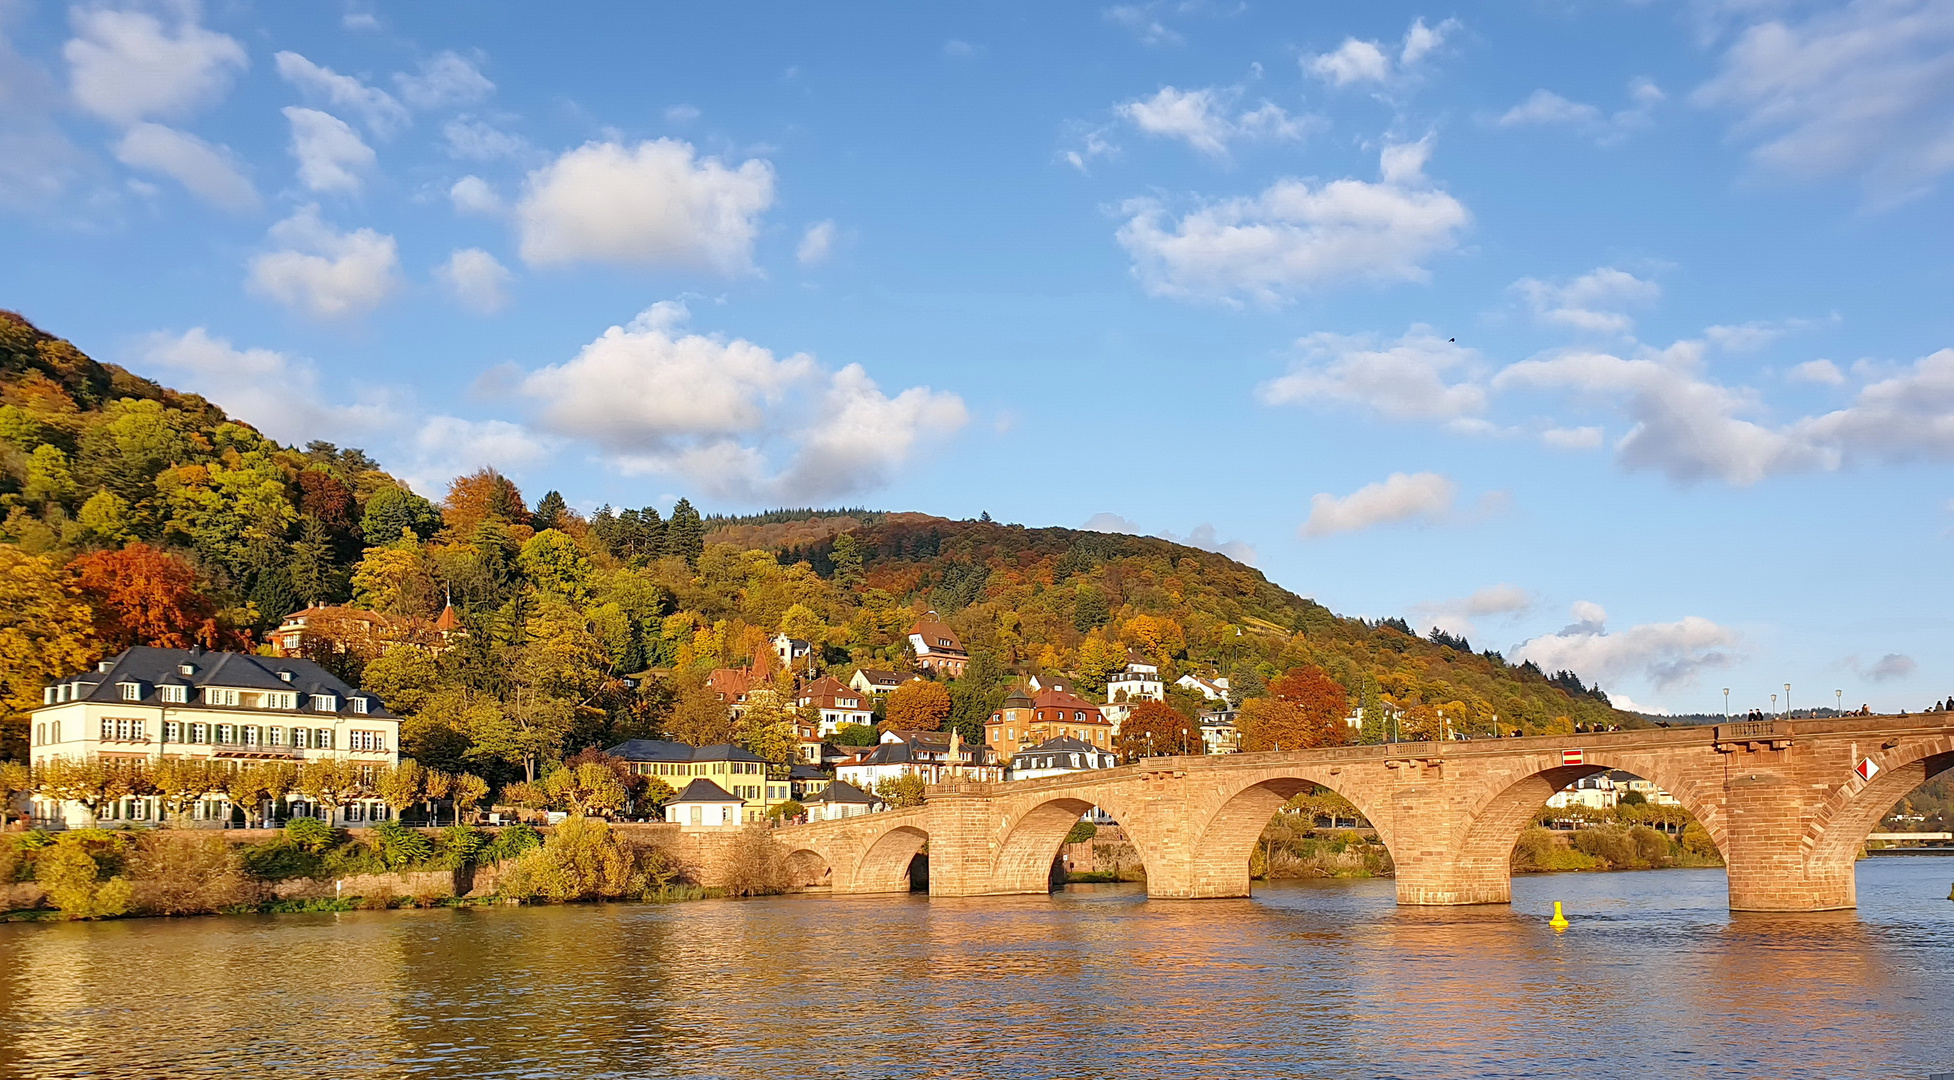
x=807, y=868
x=1222, y=840
x=1841, y=823
x=884, y=866
x=1033, y=830
x=1481, y=866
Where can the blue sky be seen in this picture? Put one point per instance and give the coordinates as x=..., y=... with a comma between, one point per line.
x=1614, y=335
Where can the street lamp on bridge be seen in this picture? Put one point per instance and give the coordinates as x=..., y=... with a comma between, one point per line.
x=1726, y=703
x=1787, y=700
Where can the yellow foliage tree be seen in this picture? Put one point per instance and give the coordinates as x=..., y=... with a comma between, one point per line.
x=46, y=632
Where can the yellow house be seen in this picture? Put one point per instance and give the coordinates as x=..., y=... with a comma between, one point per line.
x=758, y=783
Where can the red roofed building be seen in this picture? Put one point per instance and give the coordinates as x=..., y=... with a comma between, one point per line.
x=937, y=647
x=1028, y=721
x=733, y=685
x=839, y=704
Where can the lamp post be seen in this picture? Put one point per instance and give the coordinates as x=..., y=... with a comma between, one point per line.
x=1838, y=699
x=1787, y=700
x=1774, y=703
x=1726, y=703
x=1183, y=742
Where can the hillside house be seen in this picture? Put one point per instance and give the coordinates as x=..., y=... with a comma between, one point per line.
x=937, y=647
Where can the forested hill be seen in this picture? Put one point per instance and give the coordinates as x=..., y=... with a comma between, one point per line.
x=134, y=514
x=1074, y=601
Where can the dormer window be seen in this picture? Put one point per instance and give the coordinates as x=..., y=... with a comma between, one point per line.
x=285, y=676
x=358, y=703
x=186, y=669
x=105, y=665
x=130, y=691
x=174, y=694
x=325, y=702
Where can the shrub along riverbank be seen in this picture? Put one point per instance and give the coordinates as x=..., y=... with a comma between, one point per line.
x=101, y=873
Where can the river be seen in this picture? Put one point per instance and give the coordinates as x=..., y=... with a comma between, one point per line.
x=1654, y=980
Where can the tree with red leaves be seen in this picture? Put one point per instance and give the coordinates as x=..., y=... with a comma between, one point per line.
x=1304, y=708
x=144, y=596
x=1171, y=732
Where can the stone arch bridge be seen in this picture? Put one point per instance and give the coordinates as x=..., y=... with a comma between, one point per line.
x=1788, y=802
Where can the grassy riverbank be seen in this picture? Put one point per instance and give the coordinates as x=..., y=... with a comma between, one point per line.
x=99, y=873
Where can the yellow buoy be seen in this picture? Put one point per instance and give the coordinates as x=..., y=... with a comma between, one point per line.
x=1559, y=921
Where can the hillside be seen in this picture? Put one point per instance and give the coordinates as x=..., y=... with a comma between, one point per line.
x=134, y=514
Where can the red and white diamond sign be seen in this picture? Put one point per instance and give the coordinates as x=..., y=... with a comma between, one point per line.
x=1867, y=769
x=1573, y=757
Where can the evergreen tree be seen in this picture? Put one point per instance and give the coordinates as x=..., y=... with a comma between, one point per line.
x=392, y=509
x=549, y=511
x=685, y=535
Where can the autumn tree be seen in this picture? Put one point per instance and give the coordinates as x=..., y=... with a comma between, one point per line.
x=394, y=510
x=46, y=632
x=585, y=788
x=918, y=705
x=401, y=786
x=479, y=496
x=1159, y=638
x=1099, y=660
x=1155, y=729
x=902, y=791
x=767, y=726
x=700, y=718
x=181, y=782
x=467, y=793
x=1323, y=702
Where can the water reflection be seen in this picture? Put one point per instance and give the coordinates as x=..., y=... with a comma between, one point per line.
x=1331, y=979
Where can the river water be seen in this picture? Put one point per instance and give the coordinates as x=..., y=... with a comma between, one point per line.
x=1654, y=980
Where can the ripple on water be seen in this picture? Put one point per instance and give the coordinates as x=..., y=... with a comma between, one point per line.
x=1655, y=979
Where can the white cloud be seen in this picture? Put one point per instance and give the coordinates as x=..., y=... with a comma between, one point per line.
x=1593, y=302
x=1866, y=88
x=278, y=394
x=330, y=153
x=209, y=172
x=1751, y=336
x=1907, y=417
x=1401, y=497
x=1206, y=537
x=681, y=114
x=1295, y=237
x=649, y=204
x=473, y=195
x=324, y=272
x=1822, y=372
x=375, y=107
x=446, y=80
x=1580, y=438
x=1357, y=61
x=1667, y=654
x=1889, y=668
x=126, y=66
x=1691, y=428
x=476, y=279
x=1143, y=21
x=1408, y=379
x=960, y=50
x=450, y=446
x=723, y=413
x=1354, y=61
x=1108, y=522
x=1457, y=615
x=1093, y=144
x=1684, y=426
x=1421, y=41
x=478, y=140
x=1208, y=120
x=1544, y=108
x=817, y=243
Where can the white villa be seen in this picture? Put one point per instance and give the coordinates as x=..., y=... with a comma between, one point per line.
x=146, y=704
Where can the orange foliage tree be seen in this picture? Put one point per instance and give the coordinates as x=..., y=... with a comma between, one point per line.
x=479, y=496
x=1304, y=708
x=147, y=597
x=918, y=705
x=1155, y=728
x=1159, y=638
